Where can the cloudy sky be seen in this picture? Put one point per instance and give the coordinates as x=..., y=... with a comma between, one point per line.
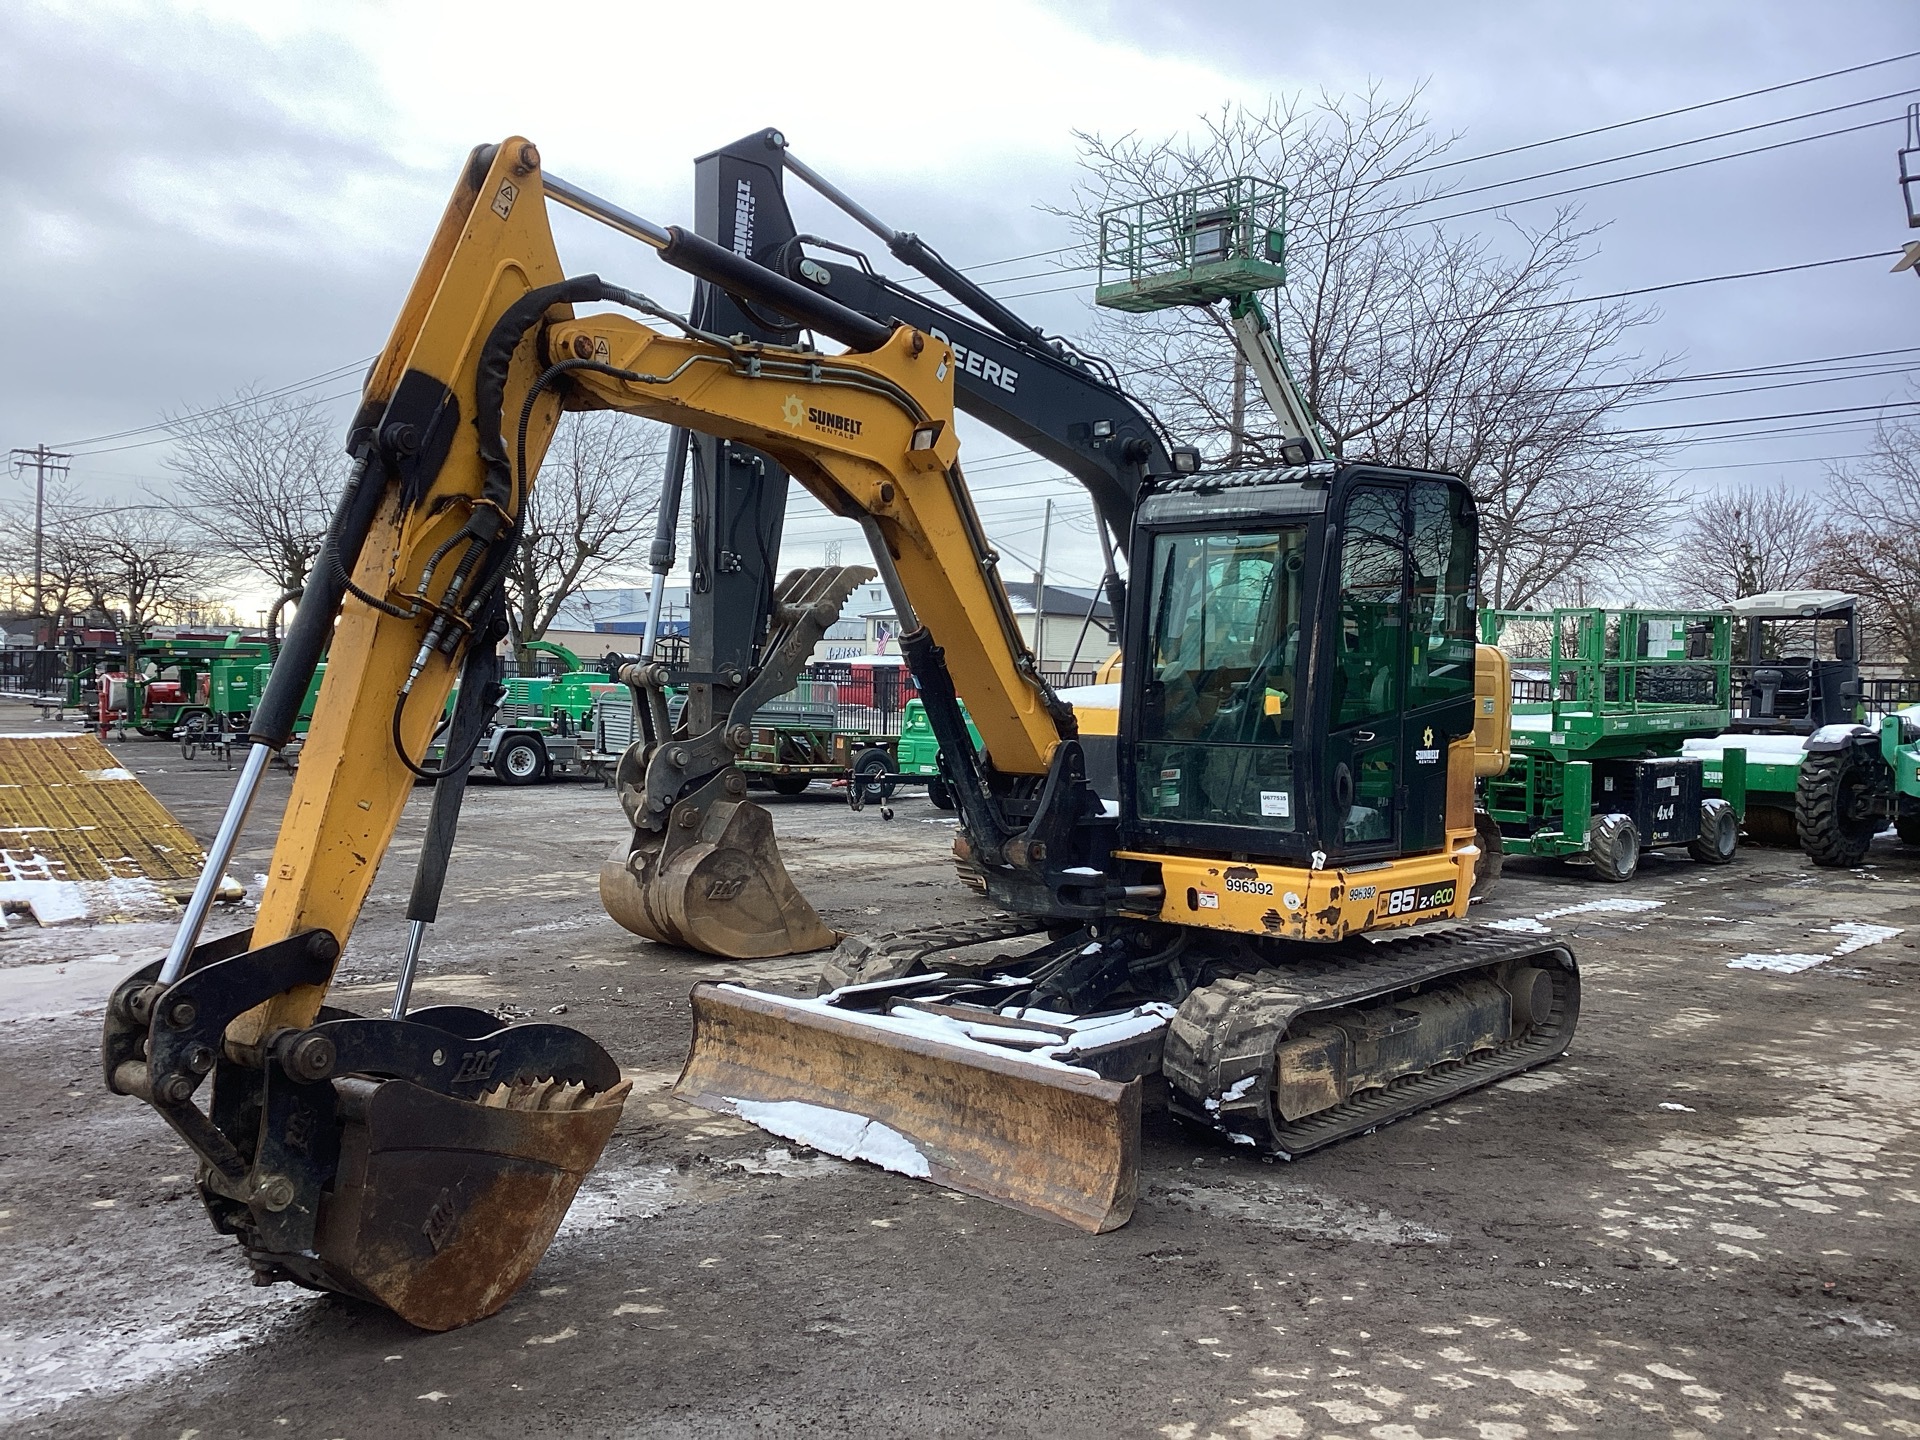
x=200, y=196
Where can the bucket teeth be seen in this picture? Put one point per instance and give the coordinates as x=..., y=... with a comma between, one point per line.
x=546, y=1093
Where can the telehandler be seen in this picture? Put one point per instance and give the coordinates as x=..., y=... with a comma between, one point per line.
x=1295, y=748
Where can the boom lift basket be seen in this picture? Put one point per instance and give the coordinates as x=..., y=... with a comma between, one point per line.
x=1213, y=242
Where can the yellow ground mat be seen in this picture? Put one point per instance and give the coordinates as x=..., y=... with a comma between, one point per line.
x=71, y=812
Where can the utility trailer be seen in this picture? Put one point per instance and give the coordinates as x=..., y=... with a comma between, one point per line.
x=796, y=738
x=543, y=726
x=176, y=684
x=1800, y=674
x=918, y=753
x=1604, y=701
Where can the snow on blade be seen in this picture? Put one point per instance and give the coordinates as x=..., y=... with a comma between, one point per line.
x=836, y=1132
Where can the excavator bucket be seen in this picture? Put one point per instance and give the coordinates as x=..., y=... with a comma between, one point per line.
x=444, y=1244
x=718, y=887
x=1049, y=1139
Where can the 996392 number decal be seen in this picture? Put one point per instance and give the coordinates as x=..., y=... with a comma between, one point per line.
x=1416, y=899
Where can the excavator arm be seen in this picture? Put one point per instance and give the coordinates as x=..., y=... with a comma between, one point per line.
x=425, y=1160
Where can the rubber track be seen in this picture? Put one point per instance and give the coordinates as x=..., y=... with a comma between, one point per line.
x=1225, y=1034
x=885, y=957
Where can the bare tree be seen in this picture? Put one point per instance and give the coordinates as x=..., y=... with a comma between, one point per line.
x=264, y=472
x=1747, y=541
x=591, y=510
x=147, y=564
x=1872, y=549
x=1414, y=345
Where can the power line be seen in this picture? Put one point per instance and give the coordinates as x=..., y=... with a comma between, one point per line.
x=312, y=381
x=1644, y=174
x=1754, y=419
x=1612, y=295
x=1534, y=144
x=1452, y=195
x=1669, y=114
x=1797, y=460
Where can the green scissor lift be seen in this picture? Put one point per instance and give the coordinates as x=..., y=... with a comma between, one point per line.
x=1603, y=702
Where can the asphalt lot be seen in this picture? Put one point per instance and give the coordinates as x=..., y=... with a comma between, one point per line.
x=1705, y=1220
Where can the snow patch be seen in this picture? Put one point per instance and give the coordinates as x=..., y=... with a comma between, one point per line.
x=1523, y=925
x=1860, y=935
x=50, y=902
x=1857, y=936
x=1788, y=964
x=1602, y=907
x=115, y=772
x=836, y=1132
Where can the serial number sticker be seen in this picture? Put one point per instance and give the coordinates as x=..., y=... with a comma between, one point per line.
x=1276, y=802
x=1416, y=899
x=1360, y=892
x=1249, y=887
x=1208, y=899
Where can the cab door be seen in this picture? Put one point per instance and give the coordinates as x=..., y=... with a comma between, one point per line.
x=1362, y=791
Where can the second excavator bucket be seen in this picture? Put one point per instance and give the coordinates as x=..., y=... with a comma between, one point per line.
x=717, y=886
x=1049, y=1139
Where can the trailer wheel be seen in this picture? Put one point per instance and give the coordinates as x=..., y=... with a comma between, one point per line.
x=939, y=793
x=1833, y=803
x=520, y=760
x=872, y=772
x=1719, y=834
x=1614, y=844
x=789, y=784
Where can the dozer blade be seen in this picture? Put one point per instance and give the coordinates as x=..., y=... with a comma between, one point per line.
x=1046, y=1139
x=443, y=1207
x=721, y=890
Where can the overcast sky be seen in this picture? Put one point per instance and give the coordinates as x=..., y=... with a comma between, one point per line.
x=199, y=196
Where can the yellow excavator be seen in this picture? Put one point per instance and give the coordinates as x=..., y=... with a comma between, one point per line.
x=1295, y=751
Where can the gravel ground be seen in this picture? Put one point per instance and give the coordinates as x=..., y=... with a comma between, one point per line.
x=1704, y=1221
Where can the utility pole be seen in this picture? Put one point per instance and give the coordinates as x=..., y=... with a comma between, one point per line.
x=42, y=459
x=1040, y=593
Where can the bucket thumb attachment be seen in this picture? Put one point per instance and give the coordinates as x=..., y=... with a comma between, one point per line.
x=717, y=885
x=1047, y=1139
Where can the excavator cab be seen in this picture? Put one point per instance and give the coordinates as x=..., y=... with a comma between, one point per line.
x=1307, y=641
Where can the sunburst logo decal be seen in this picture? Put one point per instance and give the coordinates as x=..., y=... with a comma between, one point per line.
x=1427, y=739
x=793, y=412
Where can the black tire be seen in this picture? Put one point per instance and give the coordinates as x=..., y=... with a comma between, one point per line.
x=520, y=760
x=1835, y=803
x=869, y=768
x=1771, y=825
x=1909, y=828
x=1719, y=834
x=789, y=784
x=1493, y=856
x=1614, y=844
x=939, y=794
